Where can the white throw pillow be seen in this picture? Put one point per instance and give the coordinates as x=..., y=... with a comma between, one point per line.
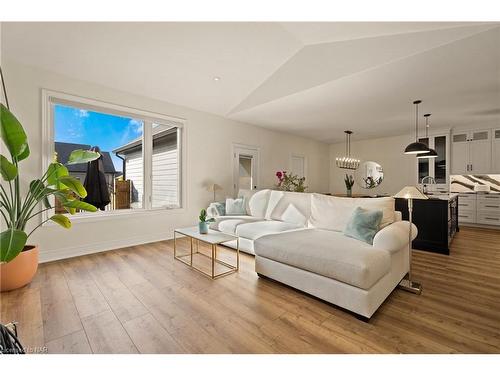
x=293, y=216
x=257, y=204
x=291, y=207
x=235, y=206
x=333, y=213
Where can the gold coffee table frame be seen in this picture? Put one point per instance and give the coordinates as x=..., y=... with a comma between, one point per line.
x=212, y=238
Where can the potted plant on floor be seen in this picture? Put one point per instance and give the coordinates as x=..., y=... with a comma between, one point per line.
x=203, y=224
x=19, y=260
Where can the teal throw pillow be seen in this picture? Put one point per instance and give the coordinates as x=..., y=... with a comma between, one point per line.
x=220, y=207
x=363, y=225
x=235, y=206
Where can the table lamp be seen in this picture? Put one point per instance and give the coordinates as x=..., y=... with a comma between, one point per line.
x=214, y=188
x=410, y=193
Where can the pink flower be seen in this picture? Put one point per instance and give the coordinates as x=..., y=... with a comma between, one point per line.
x=279, y=175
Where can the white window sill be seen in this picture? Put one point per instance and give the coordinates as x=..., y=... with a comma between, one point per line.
x=90, y=217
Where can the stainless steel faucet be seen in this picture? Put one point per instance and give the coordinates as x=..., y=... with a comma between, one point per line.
x=431, y=179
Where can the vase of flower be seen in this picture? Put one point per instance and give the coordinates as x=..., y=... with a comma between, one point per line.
x=290, y=182
x=349, y=182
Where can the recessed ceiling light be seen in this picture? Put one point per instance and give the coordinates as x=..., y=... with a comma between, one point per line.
x=216, y=78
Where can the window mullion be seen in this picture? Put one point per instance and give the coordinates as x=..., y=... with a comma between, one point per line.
x=432, y=171
x=148, y=164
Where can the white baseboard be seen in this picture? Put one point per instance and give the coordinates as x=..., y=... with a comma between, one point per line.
x=74, y=251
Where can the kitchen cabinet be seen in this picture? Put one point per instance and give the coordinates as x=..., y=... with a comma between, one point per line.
x=438, y=167
x=436, y=219
x=478, y=208
x=471, y=152
x=467, y=208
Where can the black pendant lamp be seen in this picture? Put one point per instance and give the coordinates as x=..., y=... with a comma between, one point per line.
x=416, y=147
x=432, y=153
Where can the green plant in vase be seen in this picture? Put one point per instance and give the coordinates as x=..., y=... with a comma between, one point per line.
x=204, y=221
x=349, y=182
x=18, y=209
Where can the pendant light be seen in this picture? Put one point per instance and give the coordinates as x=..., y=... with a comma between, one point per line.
x=346, y=162
x=416, y=147
x=432, y=153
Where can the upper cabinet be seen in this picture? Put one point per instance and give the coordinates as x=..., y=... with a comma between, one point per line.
x=471, y=152
x=496, y=150
x=460, y=153
x=436, y=167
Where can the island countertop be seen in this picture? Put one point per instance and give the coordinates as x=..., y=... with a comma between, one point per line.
x=442, y=196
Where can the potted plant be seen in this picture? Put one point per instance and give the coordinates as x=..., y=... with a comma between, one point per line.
x=203, y=224
x=349, y=182
x=18, y=259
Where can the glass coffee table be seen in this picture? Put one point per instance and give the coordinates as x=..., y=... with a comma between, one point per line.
x=212, y=238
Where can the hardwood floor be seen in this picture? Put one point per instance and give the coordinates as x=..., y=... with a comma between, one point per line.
x=140, y=300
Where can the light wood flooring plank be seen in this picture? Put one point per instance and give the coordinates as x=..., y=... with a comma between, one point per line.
x=140, y=299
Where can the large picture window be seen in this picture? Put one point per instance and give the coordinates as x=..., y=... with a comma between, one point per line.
x=140, y=164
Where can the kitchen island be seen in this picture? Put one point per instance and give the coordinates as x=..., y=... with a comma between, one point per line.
x=436, y=220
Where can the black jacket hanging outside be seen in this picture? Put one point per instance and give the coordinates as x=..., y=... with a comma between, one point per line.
x=95, y=183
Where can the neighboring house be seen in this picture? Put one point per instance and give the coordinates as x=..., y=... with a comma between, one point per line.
x=165, y=184
x=64, y=149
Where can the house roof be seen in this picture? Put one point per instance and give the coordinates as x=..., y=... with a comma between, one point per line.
x=135, y=144
x=64, y=149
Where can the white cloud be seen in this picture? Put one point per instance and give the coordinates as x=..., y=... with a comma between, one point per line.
x=136, y=126
x=83, y=113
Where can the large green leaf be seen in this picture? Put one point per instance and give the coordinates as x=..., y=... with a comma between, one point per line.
x=79, y=205
x=12, y=132
x=8, y=170
x=12, y=242
x=54, y=173
x=41, y=192
x=62, y=220
x=38, y=189
x=63, y=196
x=74, y=185
x=82, y=156
x=23, y=155
x=46, y=202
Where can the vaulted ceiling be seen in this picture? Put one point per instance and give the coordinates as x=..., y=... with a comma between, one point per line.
x=310, y=79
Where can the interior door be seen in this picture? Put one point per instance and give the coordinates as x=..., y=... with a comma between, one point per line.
x=460, y=153
x=480, y=152
x=245, y=168
x=298, y=165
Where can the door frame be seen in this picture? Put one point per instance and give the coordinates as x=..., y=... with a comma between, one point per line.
x=236, y=149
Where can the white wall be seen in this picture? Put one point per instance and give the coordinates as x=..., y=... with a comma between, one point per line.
x=399, y=169
x=209, y=139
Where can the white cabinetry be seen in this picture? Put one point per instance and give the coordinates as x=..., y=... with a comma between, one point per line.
x=471, y=152
x=466, y=208
x=479, y=209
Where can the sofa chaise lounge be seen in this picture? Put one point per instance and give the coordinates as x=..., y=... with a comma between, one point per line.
x=298, y=240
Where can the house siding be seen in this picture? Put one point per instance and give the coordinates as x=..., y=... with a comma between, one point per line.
x=165, y=184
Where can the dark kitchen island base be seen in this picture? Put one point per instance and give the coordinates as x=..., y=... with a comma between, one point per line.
x=436, y=220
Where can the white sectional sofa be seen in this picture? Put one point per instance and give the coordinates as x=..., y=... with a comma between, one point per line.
x=298, y=239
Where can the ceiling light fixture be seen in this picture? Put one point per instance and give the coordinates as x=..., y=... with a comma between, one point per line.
x=432, y=153
x=346, y=162
x=216, y=79
x=416, y=147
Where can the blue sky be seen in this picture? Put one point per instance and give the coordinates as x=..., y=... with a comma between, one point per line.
x=73, y=125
